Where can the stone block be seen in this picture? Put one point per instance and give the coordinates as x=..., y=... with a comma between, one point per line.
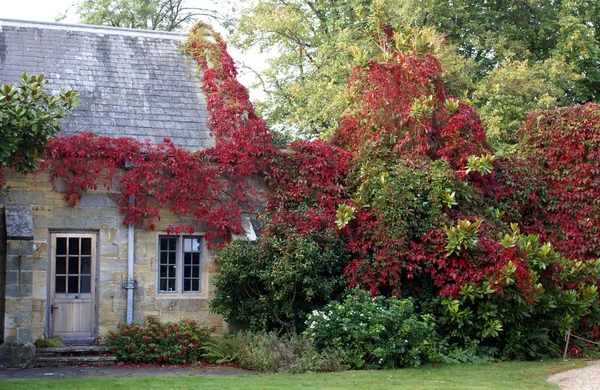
x=39, y=288
x=13, y=356
x=12, y=291
x=26, y=291
x=16, y=306
x=40, y=249
x=60, y=211
x=108, y=318
x=109, y=250
x=50, y=222
x=24, y=335
x=25, y=198
x=12, y=277
x=26, y=278
x=13, y=248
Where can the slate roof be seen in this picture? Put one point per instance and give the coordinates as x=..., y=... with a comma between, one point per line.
x=132, y=83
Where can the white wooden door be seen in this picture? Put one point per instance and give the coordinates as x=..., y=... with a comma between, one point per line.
x=72, y=287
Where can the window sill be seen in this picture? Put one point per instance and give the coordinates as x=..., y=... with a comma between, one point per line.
x=166, y=295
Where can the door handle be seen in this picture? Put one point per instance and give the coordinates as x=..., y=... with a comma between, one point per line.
x=52, y=307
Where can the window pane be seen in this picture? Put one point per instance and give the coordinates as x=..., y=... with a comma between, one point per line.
x=73, y=246
x=73, y=287
x=61, y=246
x=163, y=271
x=167, y=276
x=171, y=284
x=61, y=265
x=168, y=243
x=86, y=265
x=86, y=246
x=73, y=265
x=85, y=284
x=191, y=258
x=192, y=244
x=60, y=284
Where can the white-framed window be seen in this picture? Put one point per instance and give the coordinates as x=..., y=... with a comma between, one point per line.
x=180, y=264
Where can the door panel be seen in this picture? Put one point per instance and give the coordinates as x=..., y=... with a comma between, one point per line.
x=72, y=288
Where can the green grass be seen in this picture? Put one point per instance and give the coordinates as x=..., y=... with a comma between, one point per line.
x=509, y=375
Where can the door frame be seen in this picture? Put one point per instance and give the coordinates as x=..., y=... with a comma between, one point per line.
x=48, y=328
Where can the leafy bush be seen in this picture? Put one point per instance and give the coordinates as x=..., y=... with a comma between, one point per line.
x=168, y=343
x=275, y=284
x=374, y=332
x=266, y=352
x=29, y=117
x=517, y=294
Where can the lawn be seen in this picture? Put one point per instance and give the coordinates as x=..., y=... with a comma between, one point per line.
x=508, y=375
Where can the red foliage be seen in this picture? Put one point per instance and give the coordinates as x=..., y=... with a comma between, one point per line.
x=402, y=116
x=565, y=144
x=307, y=186
x=388, y=95
x=210, y=185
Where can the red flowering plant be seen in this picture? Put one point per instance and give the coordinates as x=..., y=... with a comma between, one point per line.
x=158, y=343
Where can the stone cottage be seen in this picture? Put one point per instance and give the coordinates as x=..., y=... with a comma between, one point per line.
x=78, y=271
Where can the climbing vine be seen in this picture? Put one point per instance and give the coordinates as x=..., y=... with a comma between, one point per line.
x=212, y=185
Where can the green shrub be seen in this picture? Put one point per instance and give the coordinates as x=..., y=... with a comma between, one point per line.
x=525, y=308
x=52, y=342
x=168, y=343
x=266, y=352
x=274, y=284
x=374, y=332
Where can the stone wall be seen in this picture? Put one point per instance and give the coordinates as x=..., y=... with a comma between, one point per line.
x=27, y=262
x=2, y=269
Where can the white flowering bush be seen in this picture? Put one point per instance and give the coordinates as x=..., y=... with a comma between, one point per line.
x=374, y=332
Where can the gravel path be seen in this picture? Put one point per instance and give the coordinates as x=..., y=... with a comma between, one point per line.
x=587, y=378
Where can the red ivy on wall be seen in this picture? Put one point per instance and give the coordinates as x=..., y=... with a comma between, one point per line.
x=211, y=185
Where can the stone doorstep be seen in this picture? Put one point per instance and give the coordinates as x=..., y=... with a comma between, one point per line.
x=51, y=361
x=88, y=355
x=72, y=350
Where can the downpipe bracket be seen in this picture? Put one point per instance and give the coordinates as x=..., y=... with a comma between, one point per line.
x=129, y=284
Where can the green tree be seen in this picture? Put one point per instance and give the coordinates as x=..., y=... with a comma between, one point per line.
x=29, y=117
x=507, y=57
x=514, y=89
x=316, y=42
x=166, y=15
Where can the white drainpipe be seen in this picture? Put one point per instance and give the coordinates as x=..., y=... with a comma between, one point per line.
x=130, y=285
